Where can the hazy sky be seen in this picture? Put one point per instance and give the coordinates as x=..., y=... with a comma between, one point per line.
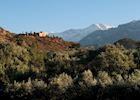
x=59, y=15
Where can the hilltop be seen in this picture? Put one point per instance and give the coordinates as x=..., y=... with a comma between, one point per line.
x=35, y=40
x=5, y=35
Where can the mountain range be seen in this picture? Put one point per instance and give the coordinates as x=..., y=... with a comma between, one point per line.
x=102, y=37
x=93, y=35
x=76, y=35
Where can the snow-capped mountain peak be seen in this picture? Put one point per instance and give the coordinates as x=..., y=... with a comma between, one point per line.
x=104, y=26
x=77, y=34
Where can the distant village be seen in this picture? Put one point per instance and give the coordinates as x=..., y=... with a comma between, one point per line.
x=40, y=34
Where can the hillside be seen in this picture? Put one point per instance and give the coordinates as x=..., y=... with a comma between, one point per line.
x=5, y=35
x=128, y=43
x=34, y=66
x=102, y=37
x=43, y=43
x=31, y=40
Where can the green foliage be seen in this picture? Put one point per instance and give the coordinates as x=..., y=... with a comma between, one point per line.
x=115, y=58
x=26, y=72
x=26, y=89
x=134, y=78
x=14, y=63
x=117, y=79
x=63, y=81
x=88, y=79
x=136, y=53
x=104, y=78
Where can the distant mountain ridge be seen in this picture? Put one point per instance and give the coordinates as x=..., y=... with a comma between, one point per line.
x=102, y=37
x=104, y=26
x=128, y=43
x=76, y=35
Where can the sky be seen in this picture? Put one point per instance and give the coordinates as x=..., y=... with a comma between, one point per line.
x=59, y=15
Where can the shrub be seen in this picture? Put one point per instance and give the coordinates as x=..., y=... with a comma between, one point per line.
x=117, y=79
x=115, y=58
x=134, y=78
x=2, y=74
x=104, y=78
x=63, y=81
x=14, y=61
x=26, y=89
x=88, y=78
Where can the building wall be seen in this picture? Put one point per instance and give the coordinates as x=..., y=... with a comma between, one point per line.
x=43, y=34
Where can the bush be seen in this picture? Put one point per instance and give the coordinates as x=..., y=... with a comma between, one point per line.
x=88, y=79
x=117, y=79
x=15, y=61
x=134, y=78
x=62, y=81
x=115, y=58
x=26, y=90
x=104, y=79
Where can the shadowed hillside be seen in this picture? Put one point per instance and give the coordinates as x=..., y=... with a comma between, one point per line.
x=129, y=43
